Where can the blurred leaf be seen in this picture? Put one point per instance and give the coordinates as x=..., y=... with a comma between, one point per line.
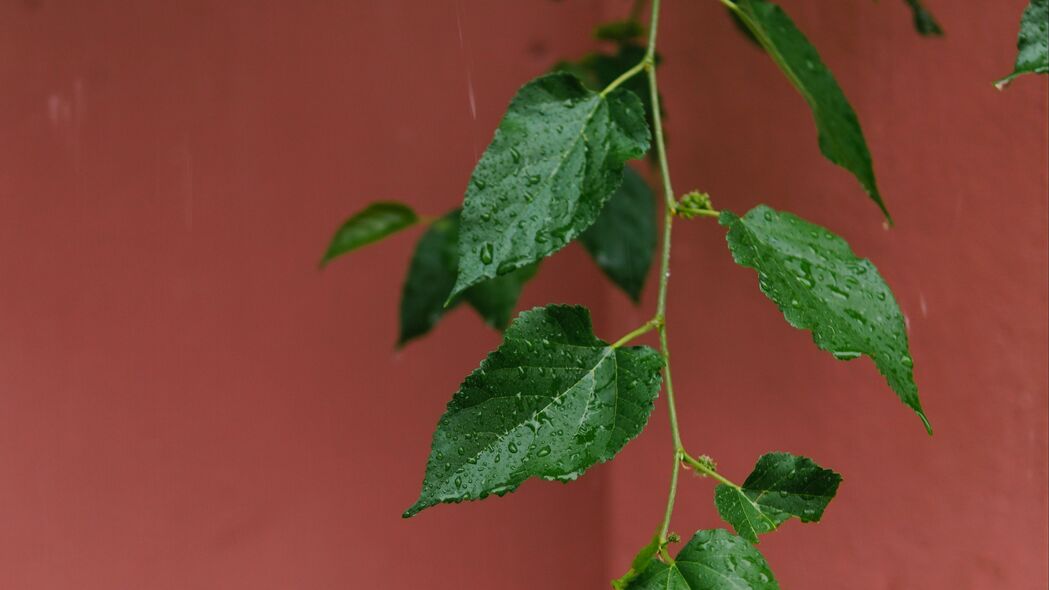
x=780, y=487
x=620, y=30
x=623, y=238
x=550, y=402
x=817, y=282
x=496, y=299
x=557, y=157
x=741, y=26
x=1033, y=43
x=711, y=560
x=840, y=137
x=924, y=22
x=374, y=223
x=640, y=563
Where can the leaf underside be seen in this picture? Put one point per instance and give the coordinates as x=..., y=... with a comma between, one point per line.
x=623, y=239
x=841, y=139
x=781, y=486
x=557, y=157
x=1032, y=45
x=711, y=560
x=818, y=283
x=375, y=222
x=431, y=276
x=550, y=402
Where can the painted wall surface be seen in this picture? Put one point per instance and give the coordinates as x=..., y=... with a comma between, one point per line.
x=186, y=402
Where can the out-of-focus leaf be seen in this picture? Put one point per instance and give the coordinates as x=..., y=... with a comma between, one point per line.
x=623, y=238
x=374, y=223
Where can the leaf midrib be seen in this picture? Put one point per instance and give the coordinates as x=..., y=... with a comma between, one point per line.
x=609, y=352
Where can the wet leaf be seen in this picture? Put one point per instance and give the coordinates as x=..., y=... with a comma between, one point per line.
x=623, y=238
x=781, y=486
x=556, y=159
x=431, y=276
x=817, y=282
x=599, y=69
x=840, y=136
x=374, y=223
x=711, y=560
x=550, y=402
x=1033, y=43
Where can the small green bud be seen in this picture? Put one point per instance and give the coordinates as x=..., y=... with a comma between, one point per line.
x=693, y=203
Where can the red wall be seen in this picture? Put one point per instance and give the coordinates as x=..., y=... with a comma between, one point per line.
x=186, y=402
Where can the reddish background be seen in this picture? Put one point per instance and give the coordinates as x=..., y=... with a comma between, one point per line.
x=186, y=402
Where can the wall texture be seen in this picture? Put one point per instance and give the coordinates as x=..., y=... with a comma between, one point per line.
x=186, y=402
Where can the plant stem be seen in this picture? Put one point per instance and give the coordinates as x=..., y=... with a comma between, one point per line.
x=623, y=78
x=705, y=469
x=647, y=327
x=664, y=273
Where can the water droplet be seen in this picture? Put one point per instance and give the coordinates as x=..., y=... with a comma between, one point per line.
x=543, y=452
x=516, y=155
x=487, y=252
x=480, y=184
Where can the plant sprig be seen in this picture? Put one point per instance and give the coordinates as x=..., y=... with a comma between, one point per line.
x=554, y=399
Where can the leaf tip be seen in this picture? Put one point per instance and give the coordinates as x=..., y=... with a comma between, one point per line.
x=925, y=422
x=415, y=509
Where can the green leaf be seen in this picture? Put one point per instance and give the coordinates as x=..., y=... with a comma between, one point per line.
x=374, y=223
x=496, y=299
x=619, y=30
x=840, y=136
x=431, y=276
x=1033, y=43
x=711, y=560
x=623, y=238
x=741, y=27
x=557, y=157
x=640, y=563
x=550, y=402
x=924, y=22
x=780, y=487
x=598, y=70
x=817, y=282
